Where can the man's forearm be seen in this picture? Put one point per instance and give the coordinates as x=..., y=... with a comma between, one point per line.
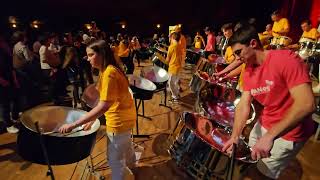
x=294, y=115
x=240, y=120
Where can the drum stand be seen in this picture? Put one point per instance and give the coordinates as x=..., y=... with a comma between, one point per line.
x=165, y=97
x=137, y=105
x=45, y=154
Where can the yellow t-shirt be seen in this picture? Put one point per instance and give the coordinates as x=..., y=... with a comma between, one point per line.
x=240, y=81
x=123, y=50
x=174, y=58
x=281, y=25
x=312, y=34
x=198, y=42
x=114, y=88
x=228, y=56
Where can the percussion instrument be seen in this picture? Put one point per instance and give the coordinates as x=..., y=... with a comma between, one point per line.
x=280, y=42
x=205, y=66
x=193, y=129
x=193, y=56
x=90, y=96
x=61, y=148
x=159, y=60
x=142, y=88
x=306, y=47
x=218, y=103
x=157, y=75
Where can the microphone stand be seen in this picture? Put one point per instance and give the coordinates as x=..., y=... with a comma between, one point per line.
x=44, y=150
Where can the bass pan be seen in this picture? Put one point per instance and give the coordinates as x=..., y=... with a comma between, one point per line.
x=61, y=148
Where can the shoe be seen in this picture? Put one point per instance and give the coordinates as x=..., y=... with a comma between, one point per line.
x=12, y=129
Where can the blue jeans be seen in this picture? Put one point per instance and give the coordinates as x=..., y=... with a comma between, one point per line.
x=120, y=153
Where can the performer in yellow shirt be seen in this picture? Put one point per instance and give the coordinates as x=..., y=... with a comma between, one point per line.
x=227, y=32
x=198, y=41
x=281, y=26
x=174, y=59
x=266, y=36
x=182, y=43
x=116, y=103
x=309, y=34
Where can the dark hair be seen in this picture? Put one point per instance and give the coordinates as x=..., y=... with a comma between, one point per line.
x=18, y=36
x=306, y=21
x=103, y=49
x=244, y=35
x=275, y=13
x=176, y=36
x=226, y=27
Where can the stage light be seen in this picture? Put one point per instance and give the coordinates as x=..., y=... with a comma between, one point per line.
x=88, y=26
x=35, y=26
x=158, y=26
x=14, y=25
x=123, y=26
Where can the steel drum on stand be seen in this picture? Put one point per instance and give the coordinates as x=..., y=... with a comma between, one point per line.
x=61, y=148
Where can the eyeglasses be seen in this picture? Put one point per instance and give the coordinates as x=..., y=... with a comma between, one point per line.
x=237, y=52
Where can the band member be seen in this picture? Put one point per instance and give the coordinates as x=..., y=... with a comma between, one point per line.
x=227, y=32
x=182, y=43
x=211, y=42
x=308, y=32
x=266, y=36
x=124, y=54
x=174, y=59
x=9, y=87
x=276, y=79
x=116, y=103
x=280, y=26
x=198, y=41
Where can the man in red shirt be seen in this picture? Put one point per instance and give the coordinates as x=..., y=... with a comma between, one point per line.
x=279, y=81
x=211, y=42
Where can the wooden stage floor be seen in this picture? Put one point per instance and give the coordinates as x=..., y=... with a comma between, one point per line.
x=155, y=163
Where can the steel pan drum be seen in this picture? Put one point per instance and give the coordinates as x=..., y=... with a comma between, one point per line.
x=192, y=125
x=142, y=88
x=90, y=96
x=157, y=75
x=280, y=42
x=218, y=104
x=62, y=148
x=158, y=59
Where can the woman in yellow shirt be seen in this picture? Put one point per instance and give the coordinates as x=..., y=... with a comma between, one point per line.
x=116, y=103
x=198, y=41
x=174, y=59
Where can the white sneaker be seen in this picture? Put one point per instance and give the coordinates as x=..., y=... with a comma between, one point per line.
x=12, y=129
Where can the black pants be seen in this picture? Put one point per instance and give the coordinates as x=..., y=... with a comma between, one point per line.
x=9, y=103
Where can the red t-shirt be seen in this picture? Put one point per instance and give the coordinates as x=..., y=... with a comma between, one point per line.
x=269, y=84
x=211, y=42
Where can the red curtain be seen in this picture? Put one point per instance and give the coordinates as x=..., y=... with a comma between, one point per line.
x=315, y=13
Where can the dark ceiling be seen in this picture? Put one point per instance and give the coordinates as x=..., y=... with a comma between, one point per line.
x=140, y=15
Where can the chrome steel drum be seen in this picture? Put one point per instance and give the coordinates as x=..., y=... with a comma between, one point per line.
x=306, y=47
x=207, y=67
x=218, y=104
x=157, y=75
x=90, y=96
x=158, y=60
x=193, y=127
x=280, y=42
x=142, y=88
x=61, y=148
